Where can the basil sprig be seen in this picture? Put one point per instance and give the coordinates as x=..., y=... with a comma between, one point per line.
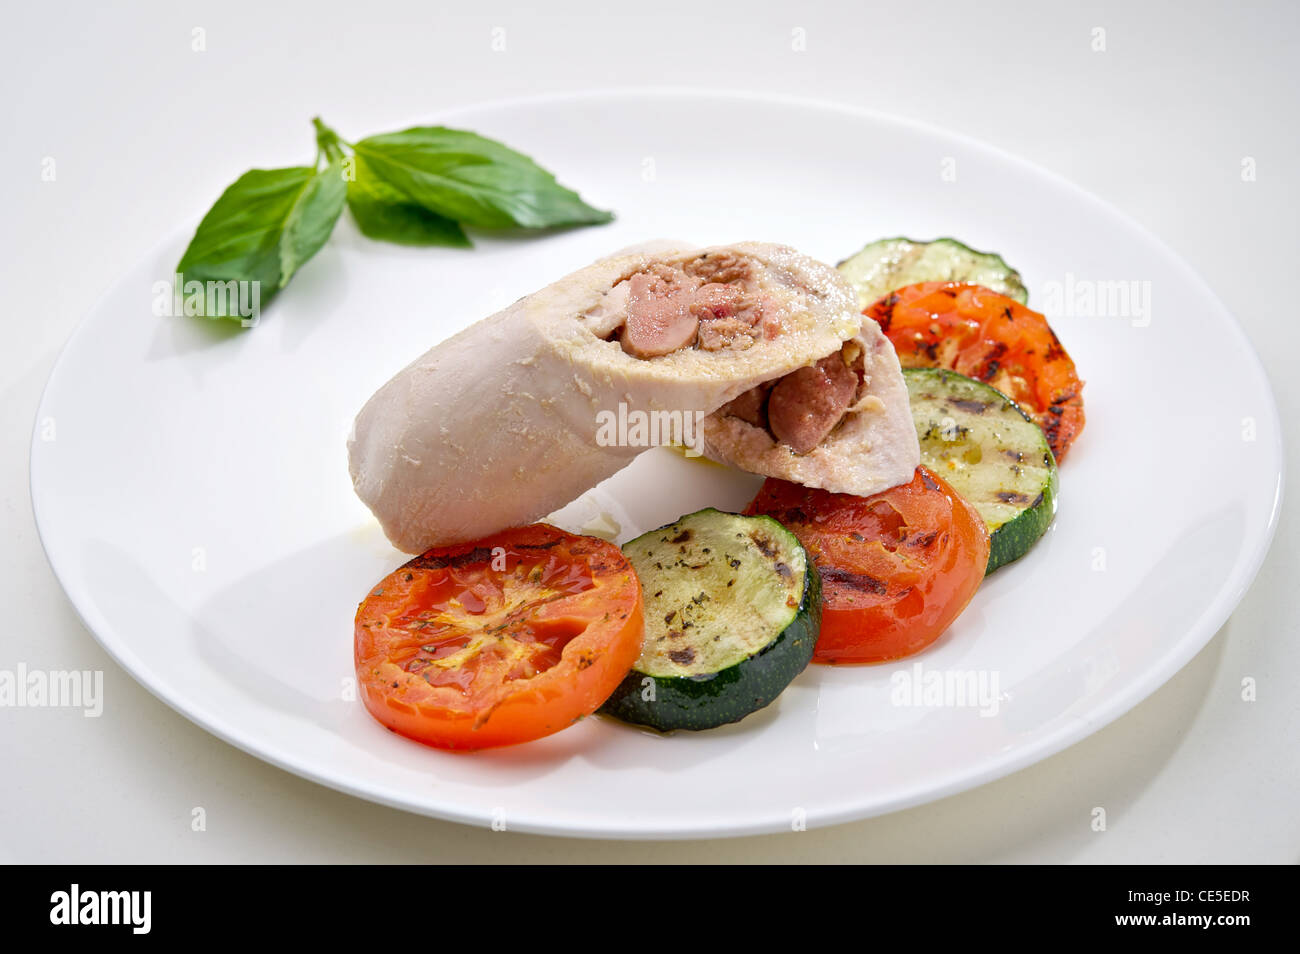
x=414, y=187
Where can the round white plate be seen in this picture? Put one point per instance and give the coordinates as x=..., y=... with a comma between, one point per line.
x=191, y=488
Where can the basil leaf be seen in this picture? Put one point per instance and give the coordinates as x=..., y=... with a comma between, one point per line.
x=312, y=218
x=381, y=212
x=265, y=226
x=474, y=180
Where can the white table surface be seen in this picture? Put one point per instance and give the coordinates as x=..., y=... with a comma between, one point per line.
x=145, y=132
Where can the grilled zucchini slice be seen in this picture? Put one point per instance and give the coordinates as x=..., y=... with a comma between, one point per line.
x=991, y=452
x=891, y=264
x=732, y=610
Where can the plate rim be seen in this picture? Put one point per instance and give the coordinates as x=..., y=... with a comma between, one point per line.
x=1230, y=593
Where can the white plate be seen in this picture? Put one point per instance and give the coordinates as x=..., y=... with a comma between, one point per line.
x=191, y=489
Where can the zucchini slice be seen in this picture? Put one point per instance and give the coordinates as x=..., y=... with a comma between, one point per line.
x=732, y=609
x=991, y=452
x=891, y=264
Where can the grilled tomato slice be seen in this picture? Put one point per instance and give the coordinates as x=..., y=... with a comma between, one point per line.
x=897, y=567
x=499, y=641
x=991, y=338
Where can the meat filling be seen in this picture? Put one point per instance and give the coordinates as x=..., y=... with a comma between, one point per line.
x=710, y=302
x=751, y=407
x=801, y=409
x=661, y=314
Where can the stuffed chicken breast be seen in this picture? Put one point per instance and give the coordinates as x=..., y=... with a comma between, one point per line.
x=501, y=424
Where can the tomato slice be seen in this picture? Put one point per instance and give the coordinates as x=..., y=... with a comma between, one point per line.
x=992, y=338
x=499, y=641
x=897, y=567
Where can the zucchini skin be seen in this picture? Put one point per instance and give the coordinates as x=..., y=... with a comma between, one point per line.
x=1017, y=537
x=706, y=702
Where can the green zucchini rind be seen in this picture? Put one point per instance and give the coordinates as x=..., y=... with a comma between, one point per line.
x=732, y=609
x=891, y=264
x=991, y=452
